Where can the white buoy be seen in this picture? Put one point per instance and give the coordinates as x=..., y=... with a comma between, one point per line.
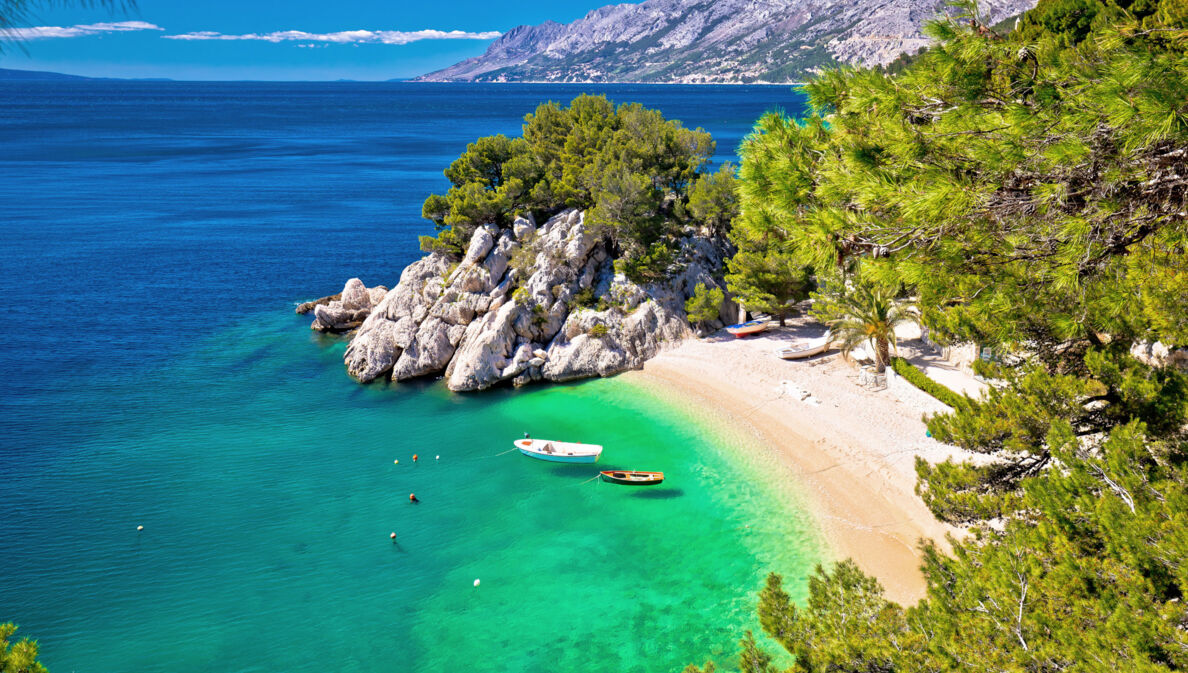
x=439, y=457
x=396, y=462
x=476, y=583
x=140, y=528
x=393, y=536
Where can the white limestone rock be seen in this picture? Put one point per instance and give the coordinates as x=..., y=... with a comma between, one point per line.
x=355, y=296
x=481, y=323
x=348, y=310
x=524, y=226
x=391, y=327
x=428, y=353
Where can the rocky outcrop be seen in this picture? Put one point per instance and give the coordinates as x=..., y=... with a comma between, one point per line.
x=695, y=41
x=525, y=304
x=306, y=307
x=346, y=310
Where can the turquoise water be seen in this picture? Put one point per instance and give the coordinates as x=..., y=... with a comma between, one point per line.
x=155, y=237
x=265, y=481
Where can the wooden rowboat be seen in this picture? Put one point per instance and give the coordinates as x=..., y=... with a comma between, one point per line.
x=559, y=452
x=748, y=328
x=632, y=477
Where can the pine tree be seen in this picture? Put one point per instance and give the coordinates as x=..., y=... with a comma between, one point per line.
x=705, y=304
x=1031, y=192
x=19, y=656
x=635, y=173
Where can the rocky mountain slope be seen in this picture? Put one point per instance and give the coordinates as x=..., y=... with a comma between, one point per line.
x=523, y=305
x=696, y=41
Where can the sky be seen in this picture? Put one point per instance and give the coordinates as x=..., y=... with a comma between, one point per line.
x=271, y=39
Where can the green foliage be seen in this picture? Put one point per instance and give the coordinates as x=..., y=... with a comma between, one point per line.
x=862, y=314
x=847, y=624
x=705, y=304
x=1023, y=190
x=751, y=659
x=902, y=61
x=765, y=280
x=1160, y=274
x=1073, y=21
x=1091, y=579
x=919, y=379
x=1014, y=424
x=524, y=257
x=1070, y=19
x=767, y=273
x=585, y=298
x=653, y=264
x=598, y=330
x=446, y=243
x=713, y=199
x=19, y=656
x=628, y=166
x=1029, y=191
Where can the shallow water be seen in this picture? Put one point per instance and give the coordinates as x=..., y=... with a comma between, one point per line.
x=158, y=235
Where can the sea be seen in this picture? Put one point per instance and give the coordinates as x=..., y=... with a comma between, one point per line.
x=155, y=238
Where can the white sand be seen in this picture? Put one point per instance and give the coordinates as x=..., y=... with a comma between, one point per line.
x=851, y=449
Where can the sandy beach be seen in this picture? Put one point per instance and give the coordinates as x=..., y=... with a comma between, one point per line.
x=851, y=449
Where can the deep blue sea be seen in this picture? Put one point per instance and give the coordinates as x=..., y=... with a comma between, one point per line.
x=155, y=238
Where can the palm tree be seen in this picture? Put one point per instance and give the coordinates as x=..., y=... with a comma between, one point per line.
x=866, y=314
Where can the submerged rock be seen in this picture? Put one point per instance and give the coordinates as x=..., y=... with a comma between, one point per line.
x=482, y=322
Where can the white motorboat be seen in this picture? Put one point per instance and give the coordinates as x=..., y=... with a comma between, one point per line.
x=559, y=452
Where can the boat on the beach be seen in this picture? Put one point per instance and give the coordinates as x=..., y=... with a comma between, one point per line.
x=813, y=347
x=559, y=452
x=632, y=477
x=748, y=328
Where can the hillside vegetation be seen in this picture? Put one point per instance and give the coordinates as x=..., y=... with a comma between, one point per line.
x=636, y=173
x=1029, y=192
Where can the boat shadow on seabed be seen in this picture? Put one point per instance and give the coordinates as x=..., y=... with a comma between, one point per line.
x=658, y=493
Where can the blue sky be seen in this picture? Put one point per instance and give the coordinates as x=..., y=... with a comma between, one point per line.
x=273, y=40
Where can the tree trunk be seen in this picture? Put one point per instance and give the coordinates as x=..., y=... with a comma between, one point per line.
x=782, y=320
x=882, y=354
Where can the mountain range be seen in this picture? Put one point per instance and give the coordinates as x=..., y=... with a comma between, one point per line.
x=708, y=41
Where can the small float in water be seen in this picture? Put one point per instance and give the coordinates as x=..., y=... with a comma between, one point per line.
x=748, y=328
x=559, y=452
x=632, y=477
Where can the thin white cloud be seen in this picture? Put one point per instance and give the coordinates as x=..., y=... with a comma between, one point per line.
x=82, y=30
x=343, y=37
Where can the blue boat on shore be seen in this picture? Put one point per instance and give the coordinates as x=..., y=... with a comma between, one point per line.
x=748, y=328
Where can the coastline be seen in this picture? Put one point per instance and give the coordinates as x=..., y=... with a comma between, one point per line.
x=593, y=83
x=850, y=451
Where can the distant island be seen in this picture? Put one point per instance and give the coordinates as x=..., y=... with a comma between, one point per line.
x=10, y=75
x=7, y=74
x=698, y=42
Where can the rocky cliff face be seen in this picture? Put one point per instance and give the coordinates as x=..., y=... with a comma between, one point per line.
x=525, y=304
x=712, y=41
